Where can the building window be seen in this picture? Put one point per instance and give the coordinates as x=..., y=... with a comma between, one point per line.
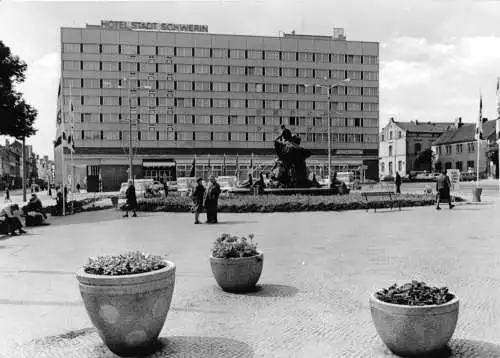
x=219, y=53
x=272, y=88
x=338, y=59
x=354, y=75
x=220, y=87
x=382, y=167
x=418, y=147
x=74, y=48
x=220, y=103
x=390, y=151
x=470, y=164
x=253, y=71
x=306, y=56
x=183, y=68
x=237, y=54
x=220, y=120
x=448, y=150
x=255, y=87
x=220, y=70
x=272, y=71
x=470, y=147
x=390, y=135
x=289, y=72
x=201, y=52
x=305, y=72
x=399, y=134
x=200, y=69
x=370, y=91
x=400, y=165
x=390, y=168
x=202, y=86
x=202, y=102
x=254, y=55
x=183, y=51
x=255, y=103
x=237, y=87
x=370, y=76
x=237, y=103
x=237, y=70
x=458, y=165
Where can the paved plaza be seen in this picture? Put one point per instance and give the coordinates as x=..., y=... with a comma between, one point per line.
x=319, y=270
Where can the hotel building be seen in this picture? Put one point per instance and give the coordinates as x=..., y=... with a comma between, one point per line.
x=219, y=97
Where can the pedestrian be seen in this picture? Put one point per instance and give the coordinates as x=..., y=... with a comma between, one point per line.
x=397, y=181
x=11, y=214
x=165, y=188
x=131, y=199
x=211, y=200
x=197, y=197
x=78, y=187
x=7, y=194
x=443, y=188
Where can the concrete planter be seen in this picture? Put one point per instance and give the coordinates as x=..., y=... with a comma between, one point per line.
x=128, y=311
x=239, y=274
x=414, y=331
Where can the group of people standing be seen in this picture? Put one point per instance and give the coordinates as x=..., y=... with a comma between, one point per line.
x=206, y=199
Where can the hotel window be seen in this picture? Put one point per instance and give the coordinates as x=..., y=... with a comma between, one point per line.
x=203, y=136
x=202, y=119
x=338, y=58
x=110, y=66
x=321, y=73
x=183, y=68
x=255, y=103
x=337, y=75
x=237, y=54
x=370, y=91
x=305, y=72
x=184, y=85
x=201, y=52
x=289, y=72
x=272, y=104
x=254, y=55
x=91, y=135
x=272, y=88
x=148, y=50
x=220, y=136
x=220, y=70
x=202, y=102
x=301, y=89
x=183, y=51
x=91, y=65
x=220, y=87
x=287, y=104
x=202, y=86
x=185, y=135
x=370, y=107
x=165, y=51
x=71, y=65
x=306, y=105
x=306, y=56
x=129, y=66
x=255, y=137
x=220, y=103
x=221, y=120
x=238, y=120
x=370, y=76
x=272, y=71
x=184, y=102
x=237, y=70
x=237, y=87
x=110, y=135
x=253, y=71
x=273, y=121
x=148, y=67
x=162, y=101
x=255, y=87
x=74, y=48
x=110, y=101
x=321, y=106
x=90, y=48
x=184, y=119
x=238, y=136
x=109, y=49
x=289, y=56
x=253, y=120
x=201, y=69
x=165, y=68
x=353, y=59
x=288, y=88
x=219, y=53
x=337, y=91
x=322, y=57
x=354, y=91
x=237, y=103
x=358, y=122
x=72, y=82
x=129, y=49
x=272, y=55
x=370, y=60
x=354, y=75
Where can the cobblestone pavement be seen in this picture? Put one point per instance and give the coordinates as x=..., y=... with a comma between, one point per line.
x=319, y=270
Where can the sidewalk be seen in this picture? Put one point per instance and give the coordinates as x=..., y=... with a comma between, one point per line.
x=319, y=270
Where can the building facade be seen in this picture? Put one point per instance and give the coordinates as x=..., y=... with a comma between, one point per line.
x=46, y=169
x=457, y=149
x=402, y=144
x=221, y=98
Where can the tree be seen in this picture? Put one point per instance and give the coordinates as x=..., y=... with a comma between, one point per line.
x=425, y=159
x=17, y=117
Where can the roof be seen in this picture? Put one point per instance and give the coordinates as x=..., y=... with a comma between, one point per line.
x=466, y=133
x=429, y=127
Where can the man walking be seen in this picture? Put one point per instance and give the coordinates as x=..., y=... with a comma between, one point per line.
x=131, y=199
x=211, y=200
x=443, y=187
x=197, y=197
x=397, y=181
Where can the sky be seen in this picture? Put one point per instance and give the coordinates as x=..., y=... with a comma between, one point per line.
x=436, y=56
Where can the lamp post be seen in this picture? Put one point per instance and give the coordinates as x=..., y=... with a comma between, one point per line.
x=329, y=88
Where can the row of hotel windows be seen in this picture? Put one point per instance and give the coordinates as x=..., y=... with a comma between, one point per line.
x=222, y=136
x=222, y=53
x=152, y=68
x=209, y=86
x=229, y=103
x=459, y=148
x=227, y=120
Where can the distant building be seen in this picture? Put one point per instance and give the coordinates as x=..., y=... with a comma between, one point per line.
x=457, y=149
x=46, y=169
x=401, y=143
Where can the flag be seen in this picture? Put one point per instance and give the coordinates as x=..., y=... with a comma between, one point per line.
x=479, y=127
x=224, y=165
x=251, y=164
x=498, y=109
x=237, y=174
x=193, y=167
x=209, y=172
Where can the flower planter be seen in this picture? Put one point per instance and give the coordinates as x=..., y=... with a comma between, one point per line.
x=128, y=310
x=414, y=331
x=238, y=274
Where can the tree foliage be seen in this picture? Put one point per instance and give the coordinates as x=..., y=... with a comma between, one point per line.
x=425, y=159
x=16, y=116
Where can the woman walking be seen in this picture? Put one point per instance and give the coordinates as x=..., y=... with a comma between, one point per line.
x=131, y=199
x=197, y=196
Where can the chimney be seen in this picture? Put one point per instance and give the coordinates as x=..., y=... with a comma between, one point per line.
x=416, y=122
x=485, y=120
x=458, y=122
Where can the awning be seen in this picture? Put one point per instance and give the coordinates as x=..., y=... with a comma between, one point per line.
x=158, y=164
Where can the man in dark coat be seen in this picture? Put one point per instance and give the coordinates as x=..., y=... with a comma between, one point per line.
x=443, y=187
x=165, y=188
x=131, y=199
x=397, y=181
x=211, y=200
x=197, y=196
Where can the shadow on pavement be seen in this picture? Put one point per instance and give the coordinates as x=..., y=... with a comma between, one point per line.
x=270, y=290
x=235, y=222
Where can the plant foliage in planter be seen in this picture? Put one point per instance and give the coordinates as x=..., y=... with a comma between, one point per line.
x=125, y=264
x=414, y=294
x=227, y=246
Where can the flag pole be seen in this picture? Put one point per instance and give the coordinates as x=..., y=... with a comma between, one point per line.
x=497, y=134
x=63, y=171
x=478, y=136
x=72, y=138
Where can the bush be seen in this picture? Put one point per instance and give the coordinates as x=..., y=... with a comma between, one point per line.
x=126, y=264
x=414, y=294
x=227, y=246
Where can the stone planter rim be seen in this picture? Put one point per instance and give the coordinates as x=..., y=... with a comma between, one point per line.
x=416, y=310
x=236, y=259
x=120, y=280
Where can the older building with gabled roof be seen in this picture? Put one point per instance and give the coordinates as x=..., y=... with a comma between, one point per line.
x=402, y=145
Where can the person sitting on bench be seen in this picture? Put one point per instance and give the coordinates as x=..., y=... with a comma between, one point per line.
x=10, y=212
x=33, y=212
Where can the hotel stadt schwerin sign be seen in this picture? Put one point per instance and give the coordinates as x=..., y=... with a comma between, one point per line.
x=155, y=26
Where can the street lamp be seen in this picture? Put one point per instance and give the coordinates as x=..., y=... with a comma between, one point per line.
x=329, y=88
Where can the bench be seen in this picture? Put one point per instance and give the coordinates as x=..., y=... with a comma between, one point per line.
x=380, y=194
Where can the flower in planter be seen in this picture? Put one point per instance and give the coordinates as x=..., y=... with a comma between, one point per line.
x=125, y=264
x=230, y=246
x=414, y=294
